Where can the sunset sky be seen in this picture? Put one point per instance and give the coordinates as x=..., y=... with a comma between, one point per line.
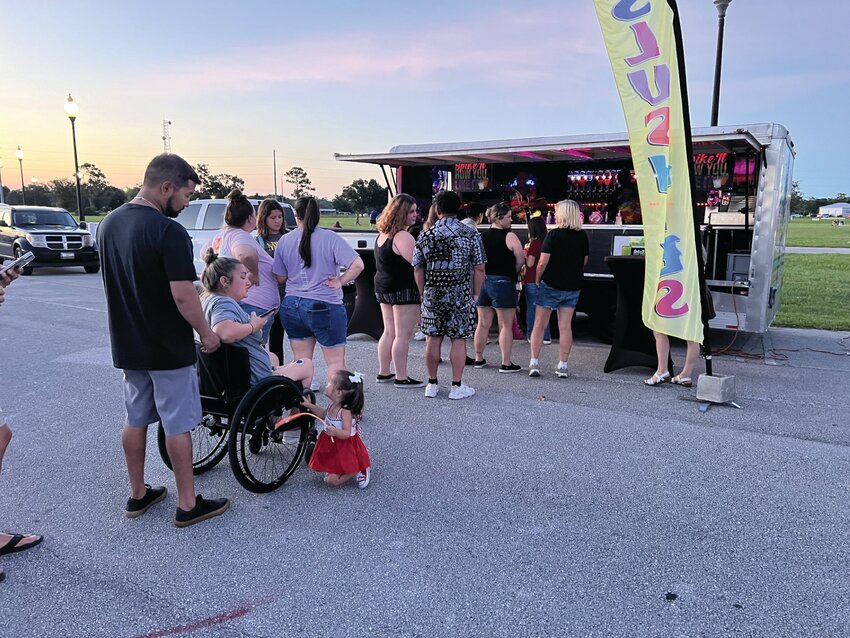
x=313, y=78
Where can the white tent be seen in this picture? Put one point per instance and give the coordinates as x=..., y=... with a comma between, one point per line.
x=841, y=209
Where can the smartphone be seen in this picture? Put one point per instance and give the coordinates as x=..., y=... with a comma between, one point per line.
x=268, y=312
x=20, y=262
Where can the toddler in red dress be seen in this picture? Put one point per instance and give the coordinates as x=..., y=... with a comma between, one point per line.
x=340, y=451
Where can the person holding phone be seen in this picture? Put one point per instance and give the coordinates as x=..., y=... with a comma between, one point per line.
x=10, y=543
x=226, y=283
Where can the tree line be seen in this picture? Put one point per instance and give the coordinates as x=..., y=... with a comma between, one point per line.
x=98, y=196
x=809, y=205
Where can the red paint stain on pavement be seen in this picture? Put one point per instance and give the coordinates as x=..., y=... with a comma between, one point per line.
x=199, y=624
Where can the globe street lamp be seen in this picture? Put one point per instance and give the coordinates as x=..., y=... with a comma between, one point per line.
x=72, y=110
x=20, y=155
x=721, y=5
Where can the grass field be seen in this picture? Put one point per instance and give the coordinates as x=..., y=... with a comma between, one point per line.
x=820, y=232
x=815, y=292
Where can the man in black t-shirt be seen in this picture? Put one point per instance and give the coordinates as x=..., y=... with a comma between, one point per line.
x=148, y=275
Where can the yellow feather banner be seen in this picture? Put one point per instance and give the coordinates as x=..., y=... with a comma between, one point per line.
x=645, y=57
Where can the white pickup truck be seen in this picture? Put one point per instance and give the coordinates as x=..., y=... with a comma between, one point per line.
x=203, y=219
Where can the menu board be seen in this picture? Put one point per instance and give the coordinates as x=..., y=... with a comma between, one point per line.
x=473, y=177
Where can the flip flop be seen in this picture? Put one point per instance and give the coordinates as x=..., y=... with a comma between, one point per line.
x=685, y=382
x=13, y=545
x=2, y=575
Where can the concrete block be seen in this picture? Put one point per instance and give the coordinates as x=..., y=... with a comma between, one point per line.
x=717, y=388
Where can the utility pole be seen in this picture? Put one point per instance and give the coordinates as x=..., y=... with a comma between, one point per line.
x=2, y=199
x=274, y=165
x=166, y=136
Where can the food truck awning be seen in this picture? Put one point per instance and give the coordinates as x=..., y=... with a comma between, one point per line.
x=576, y=148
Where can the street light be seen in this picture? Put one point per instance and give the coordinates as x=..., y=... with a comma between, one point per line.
x=721, y=5
x=72, y=110
x=20, y=155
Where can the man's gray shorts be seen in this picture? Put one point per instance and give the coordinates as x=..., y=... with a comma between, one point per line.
x=169, y=396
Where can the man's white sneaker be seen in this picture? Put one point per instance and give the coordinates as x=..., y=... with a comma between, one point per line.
x=432, y=390
x=461, y=391
x=363, y=478
x=534, y=369
x=419, y=336
x=562, y=371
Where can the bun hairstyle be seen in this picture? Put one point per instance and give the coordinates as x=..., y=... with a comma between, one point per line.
x=498, y=211
x=238, y=210
x=307, y=212
x=216, y=268
x=352, y=393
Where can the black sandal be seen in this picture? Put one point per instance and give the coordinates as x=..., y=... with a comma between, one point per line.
x=13, y=545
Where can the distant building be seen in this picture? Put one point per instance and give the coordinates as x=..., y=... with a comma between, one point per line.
x=840, y=209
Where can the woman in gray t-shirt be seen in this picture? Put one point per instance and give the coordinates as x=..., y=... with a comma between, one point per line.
x=225, y=281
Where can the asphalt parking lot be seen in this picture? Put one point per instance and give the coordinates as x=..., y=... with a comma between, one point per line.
x=592, y=506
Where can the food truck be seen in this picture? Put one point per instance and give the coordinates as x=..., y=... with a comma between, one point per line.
x=743, y=189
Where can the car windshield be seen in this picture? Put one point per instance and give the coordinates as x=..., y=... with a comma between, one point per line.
x=43, y=218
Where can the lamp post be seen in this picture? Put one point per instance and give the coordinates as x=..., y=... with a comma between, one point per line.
x=20, y=155
x=721, y=5
x=2, y=197
x=72, y=110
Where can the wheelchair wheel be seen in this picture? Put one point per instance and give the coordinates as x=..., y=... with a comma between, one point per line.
x=263, y=458
x=209, y=444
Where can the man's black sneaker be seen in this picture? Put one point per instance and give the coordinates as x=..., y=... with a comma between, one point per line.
x=469, y=361
x=204, y=509
x=138, y=506
x=385, y=378
x=409, y=382
x=511, y=367
x=479, y=363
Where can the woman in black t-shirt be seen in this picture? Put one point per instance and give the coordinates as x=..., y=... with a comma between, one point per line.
x=560, y=272
x=270, y=228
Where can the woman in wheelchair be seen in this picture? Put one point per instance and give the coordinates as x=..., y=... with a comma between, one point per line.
x=225, y=280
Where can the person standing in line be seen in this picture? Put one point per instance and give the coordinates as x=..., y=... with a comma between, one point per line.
x=536, y=234
x=503, y=251
x=152, y=305
x=396, y=290
x=271, y=226
x=308, y=260
x=448, y=265
x=11, y=543
x=560, y=272
x=235, y=241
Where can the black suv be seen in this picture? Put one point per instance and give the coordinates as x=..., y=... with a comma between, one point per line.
x=53, y=236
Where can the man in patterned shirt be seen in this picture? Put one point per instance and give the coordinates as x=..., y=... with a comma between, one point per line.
x=448, y=265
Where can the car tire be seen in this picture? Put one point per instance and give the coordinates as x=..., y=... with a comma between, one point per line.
x=92, y=269
x=26, y=270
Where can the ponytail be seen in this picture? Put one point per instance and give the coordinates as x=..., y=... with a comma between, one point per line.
x=307, y=211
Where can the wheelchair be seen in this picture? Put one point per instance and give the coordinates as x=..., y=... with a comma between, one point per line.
x=241, y=421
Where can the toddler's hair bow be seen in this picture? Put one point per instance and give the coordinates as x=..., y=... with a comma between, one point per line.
x=356, y=377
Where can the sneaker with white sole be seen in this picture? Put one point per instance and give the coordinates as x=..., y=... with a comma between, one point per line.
x=508, y=369
x=534, y=369
x=432, y=390
x=419, y=336
x=461, y=391
x=547, y=342
x=562, y=371
x=363, y=478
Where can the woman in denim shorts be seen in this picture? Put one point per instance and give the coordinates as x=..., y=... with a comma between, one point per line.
x=505, y=258
x=309, y=260
x=560, y=272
